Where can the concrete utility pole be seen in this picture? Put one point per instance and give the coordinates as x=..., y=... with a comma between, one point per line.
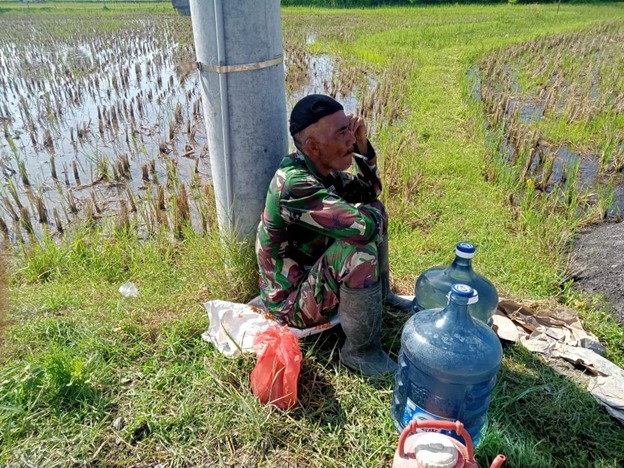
x=239, y=49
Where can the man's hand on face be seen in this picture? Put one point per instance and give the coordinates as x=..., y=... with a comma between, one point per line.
x=358, y=126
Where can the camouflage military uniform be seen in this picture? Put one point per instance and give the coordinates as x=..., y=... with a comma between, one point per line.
x=316, y=233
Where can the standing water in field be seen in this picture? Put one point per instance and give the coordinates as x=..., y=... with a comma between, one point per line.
x=100, y=122
x=447, y=366
x=433, y=286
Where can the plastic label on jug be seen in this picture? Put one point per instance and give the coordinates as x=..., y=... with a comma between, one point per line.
x=413, y=411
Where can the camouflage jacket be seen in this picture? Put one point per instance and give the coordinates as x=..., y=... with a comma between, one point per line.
x=304, y=213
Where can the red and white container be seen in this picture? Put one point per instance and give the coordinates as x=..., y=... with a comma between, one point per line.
x=419, y=447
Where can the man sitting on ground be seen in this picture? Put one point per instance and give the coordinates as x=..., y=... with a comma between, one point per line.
x=322, y=240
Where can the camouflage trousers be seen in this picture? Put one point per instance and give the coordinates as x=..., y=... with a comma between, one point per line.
x=317, y=296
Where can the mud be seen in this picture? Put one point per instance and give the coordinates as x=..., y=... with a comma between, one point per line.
x=598, y=264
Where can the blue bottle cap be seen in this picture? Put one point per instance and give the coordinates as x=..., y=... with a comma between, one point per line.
x=471, y=300
x=465, y=250
x=462, y=290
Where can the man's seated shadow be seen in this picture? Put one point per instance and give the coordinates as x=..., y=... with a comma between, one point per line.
x=316, y=392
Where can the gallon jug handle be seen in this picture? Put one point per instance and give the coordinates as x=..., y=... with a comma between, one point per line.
x=456, y=426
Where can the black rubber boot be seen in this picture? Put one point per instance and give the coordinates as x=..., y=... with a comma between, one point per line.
x=390, y=299
x=360, y=317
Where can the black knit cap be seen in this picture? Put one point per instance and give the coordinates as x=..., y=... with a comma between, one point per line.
x=310, y=110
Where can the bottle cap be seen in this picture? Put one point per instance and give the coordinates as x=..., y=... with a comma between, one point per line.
x=471, y=299
x=435, y=450
x=465, y=250
x=462, y=290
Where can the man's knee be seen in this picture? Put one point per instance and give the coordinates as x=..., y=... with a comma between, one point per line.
x=356, y=265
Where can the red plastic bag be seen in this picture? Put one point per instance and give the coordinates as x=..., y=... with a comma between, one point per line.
x=274, y=379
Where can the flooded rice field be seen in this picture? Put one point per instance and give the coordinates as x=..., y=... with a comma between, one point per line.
x=97, y=123
x=555, y=109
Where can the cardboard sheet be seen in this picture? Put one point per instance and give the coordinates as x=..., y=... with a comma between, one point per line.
x=559, y=334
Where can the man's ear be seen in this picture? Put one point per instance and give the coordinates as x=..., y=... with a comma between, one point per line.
x=312, y=146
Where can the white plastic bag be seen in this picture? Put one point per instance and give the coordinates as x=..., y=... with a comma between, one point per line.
x=234, y=326
x=129, y=290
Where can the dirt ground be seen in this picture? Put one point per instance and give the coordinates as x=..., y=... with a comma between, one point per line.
x=598, y=264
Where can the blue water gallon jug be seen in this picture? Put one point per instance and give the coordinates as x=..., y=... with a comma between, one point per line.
x=433, y=286
x=447, y=366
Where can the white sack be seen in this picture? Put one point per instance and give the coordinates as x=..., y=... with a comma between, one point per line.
x=233, y=327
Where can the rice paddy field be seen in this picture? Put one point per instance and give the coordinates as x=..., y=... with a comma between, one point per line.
x=500, y=125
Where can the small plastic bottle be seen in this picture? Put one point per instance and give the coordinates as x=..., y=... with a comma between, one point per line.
x=447, y=366
x=433, y=286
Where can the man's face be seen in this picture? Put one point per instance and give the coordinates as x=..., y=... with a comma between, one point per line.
x=334, y=149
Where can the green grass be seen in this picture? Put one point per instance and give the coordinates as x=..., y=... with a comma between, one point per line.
x=77, y=355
